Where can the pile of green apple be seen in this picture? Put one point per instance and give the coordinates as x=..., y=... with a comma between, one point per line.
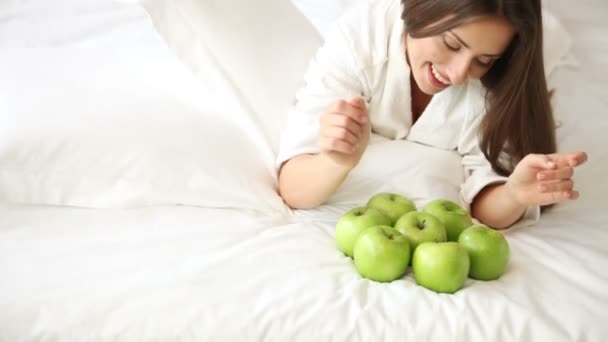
x=440, y=242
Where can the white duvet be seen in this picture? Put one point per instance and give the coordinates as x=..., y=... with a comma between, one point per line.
x=231, y=263
x=193, y=274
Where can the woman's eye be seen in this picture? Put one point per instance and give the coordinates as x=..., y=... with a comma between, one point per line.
x=485, y=62
x=450, y=45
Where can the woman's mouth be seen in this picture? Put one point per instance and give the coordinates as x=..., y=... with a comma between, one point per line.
x=436, y=79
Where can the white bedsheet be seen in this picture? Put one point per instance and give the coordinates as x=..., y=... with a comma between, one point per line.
x=198, y=274
x=193, y=274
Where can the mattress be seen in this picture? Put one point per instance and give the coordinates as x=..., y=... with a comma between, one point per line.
x=161, y=272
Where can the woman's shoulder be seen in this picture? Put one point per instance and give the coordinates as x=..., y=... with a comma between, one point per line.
x=464, y=103
x=473, y=97
x=368, y=27
x=374, y=9
x=476, y=96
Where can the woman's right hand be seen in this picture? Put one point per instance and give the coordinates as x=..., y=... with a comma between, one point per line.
x=344, y=132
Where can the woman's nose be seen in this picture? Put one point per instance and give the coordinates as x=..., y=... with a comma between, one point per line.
x=458, y=70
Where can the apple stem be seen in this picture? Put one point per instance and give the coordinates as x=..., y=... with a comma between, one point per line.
x=422, y=224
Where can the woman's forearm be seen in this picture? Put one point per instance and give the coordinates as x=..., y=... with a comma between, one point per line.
x=496, y=207
x=307, y=181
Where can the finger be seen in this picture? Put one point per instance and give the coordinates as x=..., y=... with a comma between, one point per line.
x=579, y=159
x=573, y=194
x=358, y=102
x=558, y=174
x=346, y=108
x=569, y=158
x=343, y=121
x=335, y=145
x=540, y=161
x=556, y=186
x=361, y=104
x=340, y=133
x=559, y=196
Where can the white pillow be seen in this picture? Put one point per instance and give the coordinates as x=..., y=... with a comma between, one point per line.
x=419, y=172
x=60, y=23
x=103, y=114
x=557, y=42
x=263, y=46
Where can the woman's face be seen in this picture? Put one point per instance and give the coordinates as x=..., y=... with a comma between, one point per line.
x=452, y=57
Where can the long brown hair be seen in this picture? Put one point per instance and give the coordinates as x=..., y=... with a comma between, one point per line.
x=519, y=118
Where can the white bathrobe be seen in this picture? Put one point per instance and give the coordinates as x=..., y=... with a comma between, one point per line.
x=363, y=55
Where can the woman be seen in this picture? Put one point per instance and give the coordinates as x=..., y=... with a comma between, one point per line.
x=458, y=75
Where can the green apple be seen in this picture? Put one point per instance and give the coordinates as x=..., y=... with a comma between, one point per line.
x=353, y=222
x=488, y=250
x=391, y=204
x=420, y=227
x=382, y=254
x=441, y=266
x=455, y=217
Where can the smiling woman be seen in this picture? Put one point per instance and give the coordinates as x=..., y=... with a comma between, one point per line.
x=444, y=59
x=463, y=41
x=467, y=51
x=458, y=54
x=464, y=76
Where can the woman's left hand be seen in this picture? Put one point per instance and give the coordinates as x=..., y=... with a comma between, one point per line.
x=542, y=179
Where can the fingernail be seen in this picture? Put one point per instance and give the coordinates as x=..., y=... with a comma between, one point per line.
x=550, y=164
x=542, y=176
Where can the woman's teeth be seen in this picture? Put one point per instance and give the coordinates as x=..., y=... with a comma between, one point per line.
x=438, y=76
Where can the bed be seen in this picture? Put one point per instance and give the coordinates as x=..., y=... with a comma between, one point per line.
x=138, y=188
